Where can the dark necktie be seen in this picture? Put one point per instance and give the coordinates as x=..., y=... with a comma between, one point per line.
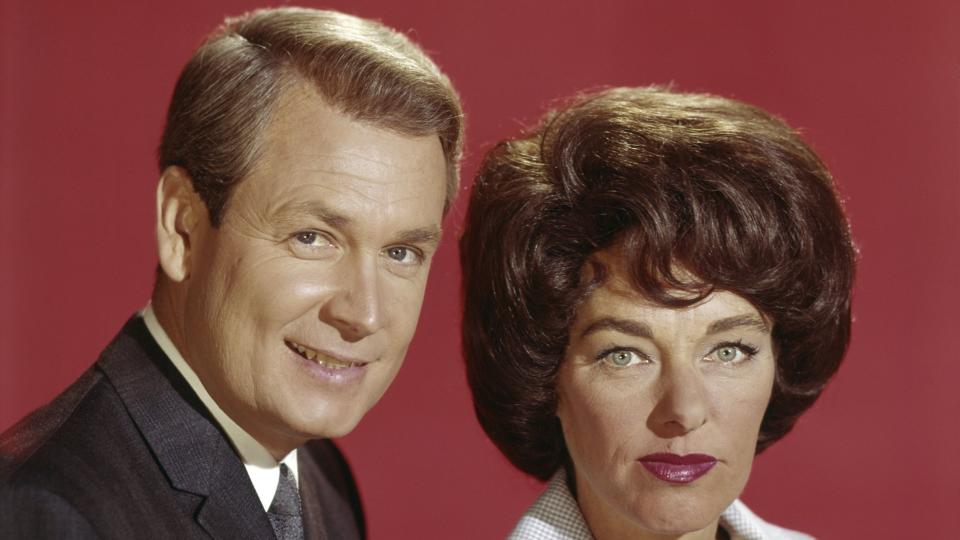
x=284, y=511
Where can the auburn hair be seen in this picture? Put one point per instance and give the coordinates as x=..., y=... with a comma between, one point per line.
x=689, y=185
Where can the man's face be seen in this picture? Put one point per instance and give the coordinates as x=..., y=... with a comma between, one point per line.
x=301, y=305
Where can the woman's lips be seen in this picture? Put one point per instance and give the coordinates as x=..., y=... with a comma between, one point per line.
x=678, y=469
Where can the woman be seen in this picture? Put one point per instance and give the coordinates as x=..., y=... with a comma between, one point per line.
x=656, y=286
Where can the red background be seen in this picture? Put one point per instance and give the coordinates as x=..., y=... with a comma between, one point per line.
x=875, y=86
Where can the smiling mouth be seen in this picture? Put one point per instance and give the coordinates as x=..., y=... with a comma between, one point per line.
x=320, y=358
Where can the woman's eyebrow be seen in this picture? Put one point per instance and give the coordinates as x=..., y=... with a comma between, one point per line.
x=738, y=321
x=624, y=326
x=639, y=329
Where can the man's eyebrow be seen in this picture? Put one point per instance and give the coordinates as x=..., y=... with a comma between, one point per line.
x=429, y=236
x=289, y=211
x=738, y=321
x=624, y=326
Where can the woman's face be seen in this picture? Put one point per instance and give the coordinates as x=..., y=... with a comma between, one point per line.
x=661, y=407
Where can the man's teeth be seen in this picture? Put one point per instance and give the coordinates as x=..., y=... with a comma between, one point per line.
x=319, y=358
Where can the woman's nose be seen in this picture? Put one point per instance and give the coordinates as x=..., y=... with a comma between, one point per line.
x=682, y=405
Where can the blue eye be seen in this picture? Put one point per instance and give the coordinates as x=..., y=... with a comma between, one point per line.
x=403, y=255
x=731, y=353
x=728, y=354
x=622, y=358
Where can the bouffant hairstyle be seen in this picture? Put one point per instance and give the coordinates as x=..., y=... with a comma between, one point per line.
x=690, y=185
x=227, y=91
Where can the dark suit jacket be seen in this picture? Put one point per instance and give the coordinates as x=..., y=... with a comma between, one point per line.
x=129, y=451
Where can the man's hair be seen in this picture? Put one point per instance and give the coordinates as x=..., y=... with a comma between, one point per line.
x=703, y=193
x=227, y=91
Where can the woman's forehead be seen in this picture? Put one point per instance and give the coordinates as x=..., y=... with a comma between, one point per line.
x=613, y=291
x=611, y=267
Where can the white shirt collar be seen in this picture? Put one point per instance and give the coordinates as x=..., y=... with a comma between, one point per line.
x=263, y=469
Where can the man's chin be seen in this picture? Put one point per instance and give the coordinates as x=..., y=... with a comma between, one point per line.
x=332, y=424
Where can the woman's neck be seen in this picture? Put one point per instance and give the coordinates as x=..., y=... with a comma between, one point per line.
x=605, y=529
x=606, y=523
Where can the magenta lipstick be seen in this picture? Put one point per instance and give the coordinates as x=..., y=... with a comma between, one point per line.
x=678, y=469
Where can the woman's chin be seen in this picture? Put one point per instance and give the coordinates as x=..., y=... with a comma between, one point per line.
x=656, y=514
x=680, y=524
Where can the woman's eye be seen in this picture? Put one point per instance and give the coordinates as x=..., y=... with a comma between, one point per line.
x=622, y=358
x=732, y=353
x=403, y=255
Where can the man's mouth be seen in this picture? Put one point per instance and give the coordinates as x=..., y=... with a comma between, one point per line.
x=320, y=358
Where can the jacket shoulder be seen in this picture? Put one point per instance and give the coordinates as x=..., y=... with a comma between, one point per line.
x=41, y=427
x=51, y=466
x=31, y=512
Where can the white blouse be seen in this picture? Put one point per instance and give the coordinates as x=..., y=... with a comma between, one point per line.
x=556, y=516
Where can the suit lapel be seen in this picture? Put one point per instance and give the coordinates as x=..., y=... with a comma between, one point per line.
x=230, y=512
x=187, y=443
x=314, y=526
x=331, y=504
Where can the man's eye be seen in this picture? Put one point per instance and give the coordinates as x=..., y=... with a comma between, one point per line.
x=311, y=245
x=403, y=255
x=622, y=358
x=311, y=238
x=306, y=237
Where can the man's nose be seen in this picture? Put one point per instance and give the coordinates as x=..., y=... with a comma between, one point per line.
x=682, y=406
x=355, y=308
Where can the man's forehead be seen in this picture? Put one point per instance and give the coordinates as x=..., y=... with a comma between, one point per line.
x=355, y=168
x=334, y=195
x=305, y=132
x=301, y=103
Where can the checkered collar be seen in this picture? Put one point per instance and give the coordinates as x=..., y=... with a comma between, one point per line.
x=556, y=516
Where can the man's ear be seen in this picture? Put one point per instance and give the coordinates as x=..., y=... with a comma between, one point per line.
x=179, y=211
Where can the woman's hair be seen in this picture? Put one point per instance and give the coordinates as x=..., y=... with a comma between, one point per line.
x=690, y=185
x=227, y=91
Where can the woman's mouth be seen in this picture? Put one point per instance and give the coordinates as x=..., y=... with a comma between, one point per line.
x=678, y=469
x=324, y=360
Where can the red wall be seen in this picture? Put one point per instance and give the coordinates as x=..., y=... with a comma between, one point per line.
x=875, y=87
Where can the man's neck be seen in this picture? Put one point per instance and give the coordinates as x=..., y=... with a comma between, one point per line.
x=262, y=466
x=167, y=305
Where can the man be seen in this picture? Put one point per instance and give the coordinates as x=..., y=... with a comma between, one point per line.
x=306, y=165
